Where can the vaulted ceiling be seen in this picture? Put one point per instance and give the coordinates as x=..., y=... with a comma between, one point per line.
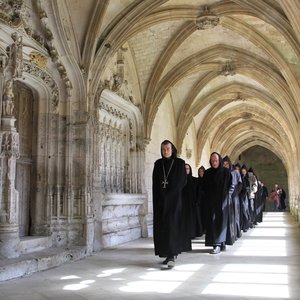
x=231, y=67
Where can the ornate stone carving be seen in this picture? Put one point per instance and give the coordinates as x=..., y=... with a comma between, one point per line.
x=10, y=11
x=14, y=66
x=38, y=59
x=112, y=111
x=116, y=133
x=15, y=56
x=3, y=63
x=35, y=71
x=228, y=69
x=9, y=144
x=117, y=82
x=188, y=152
x=246, y=116
x=207, y=20
x=8, y=96
x=48, y=42
x=239, y=97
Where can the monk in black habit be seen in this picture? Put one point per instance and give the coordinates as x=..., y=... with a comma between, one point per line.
x=188, y=210
x=169, y=179
x=233, y=229
x=200, y=203
x=244, y=203
x=217, y=188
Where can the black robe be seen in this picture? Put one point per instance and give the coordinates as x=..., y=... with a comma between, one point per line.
x=217, y=186
x=188, y=213
x=282, y=199
x=264, y=195
x=233, y=229
x=244, y=204
x=259, y=204
x=199, y=209
x=167, y=207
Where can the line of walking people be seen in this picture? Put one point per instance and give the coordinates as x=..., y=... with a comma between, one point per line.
x=221, y=203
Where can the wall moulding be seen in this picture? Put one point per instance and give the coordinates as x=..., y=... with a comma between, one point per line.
x=35, y=71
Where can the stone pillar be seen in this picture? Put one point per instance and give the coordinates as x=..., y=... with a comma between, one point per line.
x=11, y=67
x=9, y=201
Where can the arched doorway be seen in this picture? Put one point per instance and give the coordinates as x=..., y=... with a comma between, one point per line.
x=26, y=125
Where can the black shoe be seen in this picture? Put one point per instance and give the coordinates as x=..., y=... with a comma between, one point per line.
x=169, y=262
x=216, y=250
x=223, y=247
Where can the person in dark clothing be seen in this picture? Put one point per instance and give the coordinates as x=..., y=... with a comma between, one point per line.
x=169, y=179
x=217, y=188
x=253, y=185
x=237, y=167
x=282, y=196
x=233, y=228
x=259, y=203
x=200, y=202
x=188, y=210
x=244, y=203
x=264, y=195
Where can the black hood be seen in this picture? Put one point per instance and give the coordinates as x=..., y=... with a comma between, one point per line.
x=174, y=150
x=220, y=160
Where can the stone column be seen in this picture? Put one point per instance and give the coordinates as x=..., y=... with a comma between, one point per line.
x=9, y=201
x=11, y=68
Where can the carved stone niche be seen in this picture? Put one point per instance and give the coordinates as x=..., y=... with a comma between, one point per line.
x=118, y=160
x=119, y=156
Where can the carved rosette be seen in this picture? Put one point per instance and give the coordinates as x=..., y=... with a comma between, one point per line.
x=9, y=145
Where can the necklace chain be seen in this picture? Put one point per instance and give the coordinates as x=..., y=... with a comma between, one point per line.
x=165, y=182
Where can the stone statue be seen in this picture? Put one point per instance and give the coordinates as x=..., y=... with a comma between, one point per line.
x=15, y=56
x=8, y=95
x=117, y=82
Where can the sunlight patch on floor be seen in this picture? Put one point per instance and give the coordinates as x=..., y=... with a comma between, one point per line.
x=270, y=291
x=70, y=277
x=109, y=272
x=278, y=232
x=256, y=280
x=162, y=287
x=256, y=268
x=262, y=247
x=78, y=286
x=251, y=280
x=162, y=281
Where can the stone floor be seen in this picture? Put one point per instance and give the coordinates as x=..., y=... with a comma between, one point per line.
x=263, y=264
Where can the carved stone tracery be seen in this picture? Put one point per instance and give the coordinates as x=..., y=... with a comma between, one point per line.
x=116, y=134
